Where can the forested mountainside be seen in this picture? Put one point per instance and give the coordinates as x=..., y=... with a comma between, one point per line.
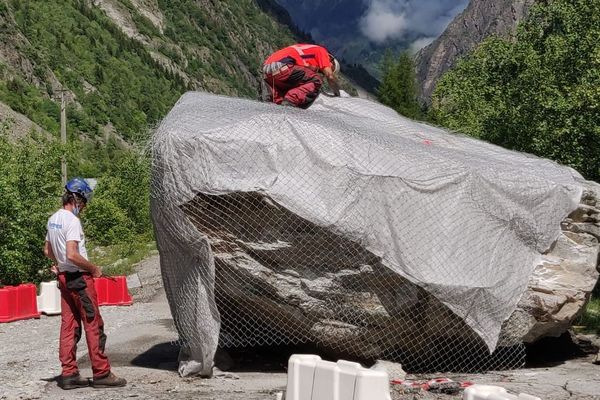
x=123, y=63
x=481, y=18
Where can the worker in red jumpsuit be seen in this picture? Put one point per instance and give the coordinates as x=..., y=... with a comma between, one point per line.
x=292, y=74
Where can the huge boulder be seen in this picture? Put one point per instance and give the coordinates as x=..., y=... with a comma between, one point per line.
x=278, y=273
x=360, y=231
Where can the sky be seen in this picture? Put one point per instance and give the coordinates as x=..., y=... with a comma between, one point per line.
x=386, y=20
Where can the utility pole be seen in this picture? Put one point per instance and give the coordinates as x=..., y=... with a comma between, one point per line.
x=63, y=136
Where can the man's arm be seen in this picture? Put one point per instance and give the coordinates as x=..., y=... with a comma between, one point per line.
x=77, y=259
x=48, y=251
x=274, y=94
x=50, y=254
x=332, y=80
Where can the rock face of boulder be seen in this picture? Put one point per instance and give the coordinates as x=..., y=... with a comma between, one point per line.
x=561, y=284
x=281, y=279
x=294, y=282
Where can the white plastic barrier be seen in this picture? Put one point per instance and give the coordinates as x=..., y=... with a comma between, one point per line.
x=486, y=392
x=310, y=378
x=48, y=301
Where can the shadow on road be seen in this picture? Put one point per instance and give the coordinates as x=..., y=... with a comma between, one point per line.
x=160, y=356
x=255, y=359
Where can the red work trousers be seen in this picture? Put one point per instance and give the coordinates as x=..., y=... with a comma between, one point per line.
x=297, y=84
x=79, y=304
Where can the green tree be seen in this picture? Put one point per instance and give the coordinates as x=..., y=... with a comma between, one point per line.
x=30, y=192
x=106, y=223
x=125, y=186
x=540, y=93
x=29, y=189
x=398, y=85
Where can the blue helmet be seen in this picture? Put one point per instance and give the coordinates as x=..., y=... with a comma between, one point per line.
x=81, y=187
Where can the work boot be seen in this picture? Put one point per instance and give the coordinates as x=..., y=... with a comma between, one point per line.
x=72, y=382
x=110, y=380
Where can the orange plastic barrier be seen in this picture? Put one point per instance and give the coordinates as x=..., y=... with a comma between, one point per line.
x=18, y=302
x=113, y=291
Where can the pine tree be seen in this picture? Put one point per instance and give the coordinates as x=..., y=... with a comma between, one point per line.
x=398, y=85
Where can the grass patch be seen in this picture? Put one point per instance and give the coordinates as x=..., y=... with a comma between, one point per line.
x=120, y=259
x=590, y=320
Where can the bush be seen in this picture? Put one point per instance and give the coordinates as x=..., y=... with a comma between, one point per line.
x=29, y=191
x=106, y=223
x=120, y=208
x=127, y=184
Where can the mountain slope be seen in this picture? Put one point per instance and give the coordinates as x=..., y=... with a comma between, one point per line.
x=479, y=20
x=18, y=124
x=125, y=62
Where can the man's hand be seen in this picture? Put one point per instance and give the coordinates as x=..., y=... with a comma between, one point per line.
x=97, y=272
x=77, y=259
x=54, y=269
x=332, y=80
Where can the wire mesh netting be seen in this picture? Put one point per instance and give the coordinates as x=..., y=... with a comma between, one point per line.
x=349, y=227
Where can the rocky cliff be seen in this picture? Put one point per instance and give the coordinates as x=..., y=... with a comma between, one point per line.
x=481, y=18
x=237, y=38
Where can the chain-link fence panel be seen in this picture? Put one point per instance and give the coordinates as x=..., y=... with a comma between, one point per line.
x=349, y=227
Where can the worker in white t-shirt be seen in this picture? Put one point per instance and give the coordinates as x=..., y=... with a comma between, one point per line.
x=65, y=245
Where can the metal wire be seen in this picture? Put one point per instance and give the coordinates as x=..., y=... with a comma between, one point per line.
x=351, y=228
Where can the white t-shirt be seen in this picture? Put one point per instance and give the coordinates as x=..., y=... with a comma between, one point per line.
x=63, y=226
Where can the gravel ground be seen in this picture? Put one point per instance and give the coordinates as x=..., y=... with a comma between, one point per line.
x=141, y=347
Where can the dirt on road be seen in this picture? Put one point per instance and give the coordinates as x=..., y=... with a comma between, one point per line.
x=142, y=347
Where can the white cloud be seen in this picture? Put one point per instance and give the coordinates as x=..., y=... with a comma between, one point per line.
x=402, y=19
x=380, y=23
x=420, y=43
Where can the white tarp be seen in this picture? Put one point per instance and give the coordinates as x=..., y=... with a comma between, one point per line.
x=463, y=219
